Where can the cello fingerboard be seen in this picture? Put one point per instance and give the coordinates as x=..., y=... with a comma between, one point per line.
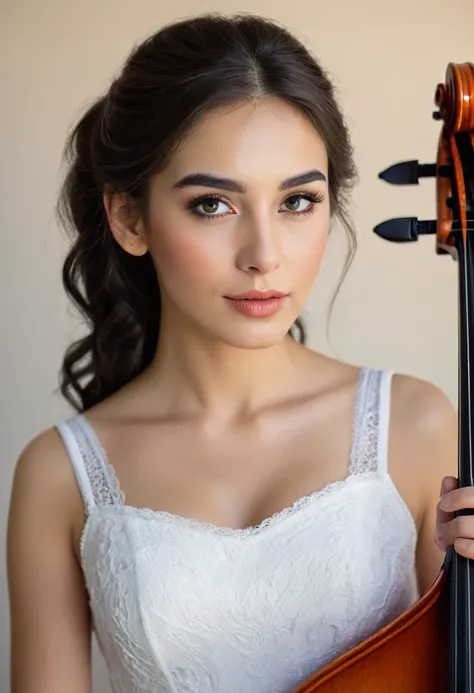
x=462, y=569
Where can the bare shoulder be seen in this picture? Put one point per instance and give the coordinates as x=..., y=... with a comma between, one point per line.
x=44, y=481
x=423, y=440
x=422, y=414
x=43, y=462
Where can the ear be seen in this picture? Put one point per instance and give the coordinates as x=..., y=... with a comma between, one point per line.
x=126, y=223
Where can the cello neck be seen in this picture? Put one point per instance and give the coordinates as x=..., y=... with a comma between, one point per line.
x=462, y=569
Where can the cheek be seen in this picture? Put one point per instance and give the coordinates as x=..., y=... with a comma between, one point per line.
x=187, y=259
x=310, y=254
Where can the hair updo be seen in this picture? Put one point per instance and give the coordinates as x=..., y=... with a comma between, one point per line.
x=128, y=135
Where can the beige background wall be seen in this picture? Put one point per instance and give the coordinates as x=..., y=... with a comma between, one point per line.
x=397, y=308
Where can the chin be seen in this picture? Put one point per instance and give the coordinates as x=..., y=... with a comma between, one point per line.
x=254, y=336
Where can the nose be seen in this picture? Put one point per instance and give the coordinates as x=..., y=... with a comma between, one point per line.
x=261, y=251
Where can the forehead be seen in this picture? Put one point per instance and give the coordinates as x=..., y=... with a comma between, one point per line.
x=255, y=142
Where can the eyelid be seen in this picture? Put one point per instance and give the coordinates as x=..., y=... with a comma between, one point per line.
x=314, y=196
x=306, y=193
x=199, y=199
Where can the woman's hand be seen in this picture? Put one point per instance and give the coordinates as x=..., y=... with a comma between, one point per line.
x=450, y=530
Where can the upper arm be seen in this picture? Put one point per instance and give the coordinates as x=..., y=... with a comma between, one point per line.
x=427, y=442
x=50, y=625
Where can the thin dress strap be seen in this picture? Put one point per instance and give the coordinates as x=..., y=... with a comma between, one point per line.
x=385, y=396
x=95, y=476
x=371, y=426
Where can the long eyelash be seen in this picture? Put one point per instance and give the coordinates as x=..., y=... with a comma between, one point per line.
x=312, y=197
x=196, y=201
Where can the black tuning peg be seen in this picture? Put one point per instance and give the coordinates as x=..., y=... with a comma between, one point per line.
x=408, y=173
x=404, y=229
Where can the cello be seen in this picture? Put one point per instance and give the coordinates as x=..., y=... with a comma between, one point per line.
x=430, y=647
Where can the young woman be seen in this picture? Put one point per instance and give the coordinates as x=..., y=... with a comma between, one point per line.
x=228, y=509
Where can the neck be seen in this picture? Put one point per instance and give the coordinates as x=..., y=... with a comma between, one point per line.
x=200, y=375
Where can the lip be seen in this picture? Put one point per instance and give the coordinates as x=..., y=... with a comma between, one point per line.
x=257, y=295
x=258, y=304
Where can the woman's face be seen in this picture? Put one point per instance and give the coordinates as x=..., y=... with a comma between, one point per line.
x=242, y=207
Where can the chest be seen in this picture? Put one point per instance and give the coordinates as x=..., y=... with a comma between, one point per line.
x=233, y=478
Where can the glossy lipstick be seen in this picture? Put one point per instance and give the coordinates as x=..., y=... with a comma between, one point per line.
x=257, y=304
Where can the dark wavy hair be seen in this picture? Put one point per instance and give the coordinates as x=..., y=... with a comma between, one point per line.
x=129, y=134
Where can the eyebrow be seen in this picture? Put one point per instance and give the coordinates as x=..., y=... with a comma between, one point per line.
x=207, y=180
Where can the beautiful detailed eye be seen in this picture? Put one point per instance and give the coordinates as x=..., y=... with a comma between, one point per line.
x=209, y=206
x=297, y=203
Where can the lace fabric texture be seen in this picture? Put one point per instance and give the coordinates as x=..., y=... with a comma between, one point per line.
x=182, y=606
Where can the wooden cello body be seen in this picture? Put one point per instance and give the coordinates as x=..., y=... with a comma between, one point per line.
x=430, y=648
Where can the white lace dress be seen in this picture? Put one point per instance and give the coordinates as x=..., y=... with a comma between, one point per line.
x=181, y=606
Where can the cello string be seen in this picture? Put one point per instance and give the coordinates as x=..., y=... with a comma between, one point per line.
x=470, y=452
